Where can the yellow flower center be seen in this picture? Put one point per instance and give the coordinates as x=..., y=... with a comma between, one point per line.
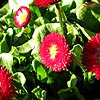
x=22, y=16
x=53, y=51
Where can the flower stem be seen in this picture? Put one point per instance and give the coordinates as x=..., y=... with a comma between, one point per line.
x=61, y=17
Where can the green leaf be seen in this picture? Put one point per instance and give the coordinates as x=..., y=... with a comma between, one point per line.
x=64, y=90
x=66, y=94
x=43, y=74
x=6, y=59
x=14, y=52
x=87, y=33
x=41, y=21
x=66, y=4
x=72, y=29
x=4, y=10
x=73, y=81
x=20, y=78
x=20, y=38
x=77, y=4
x=73, y=32
x=40, y=70
x=77, y=50
x=89, y=16
x=3, y=45
x=72, y=4
x=36, y=11
x=26, y=47
x=78, y=95
x=40, y=93
x=91, y=77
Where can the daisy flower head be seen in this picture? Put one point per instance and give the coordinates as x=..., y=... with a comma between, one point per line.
x=22, y=16
x=6, y=86
x=44, y=3
x=91, y=55
x=54, y=52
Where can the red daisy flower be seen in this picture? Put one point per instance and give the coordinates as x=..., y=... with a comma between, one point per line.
x=54, y=52
x=22, y=16
x=6, y=86
x=91, y=55
x=43, y=3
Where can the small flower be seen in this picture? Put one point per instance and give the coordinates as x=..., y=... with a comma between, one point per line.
x=22, y=16
x=43, y=3
x=91, y=55
x=6, y=86
x=54, y=52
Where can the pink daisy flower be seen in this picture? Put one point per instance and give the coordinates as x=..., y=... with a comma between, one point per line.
x=6, y=86
x=43, y=3
x=22, y=16
x=91, y=55
x=54, y=52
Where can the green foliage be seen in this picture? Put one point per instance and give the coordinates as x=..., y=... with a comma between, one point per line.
x=6, y=59
x=89, y=12
x=42, y=73
x=40, y=93
x=20, y=50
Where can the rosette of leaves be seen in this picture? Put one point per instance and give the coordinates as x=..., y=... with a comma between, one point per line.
x=89, y=16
